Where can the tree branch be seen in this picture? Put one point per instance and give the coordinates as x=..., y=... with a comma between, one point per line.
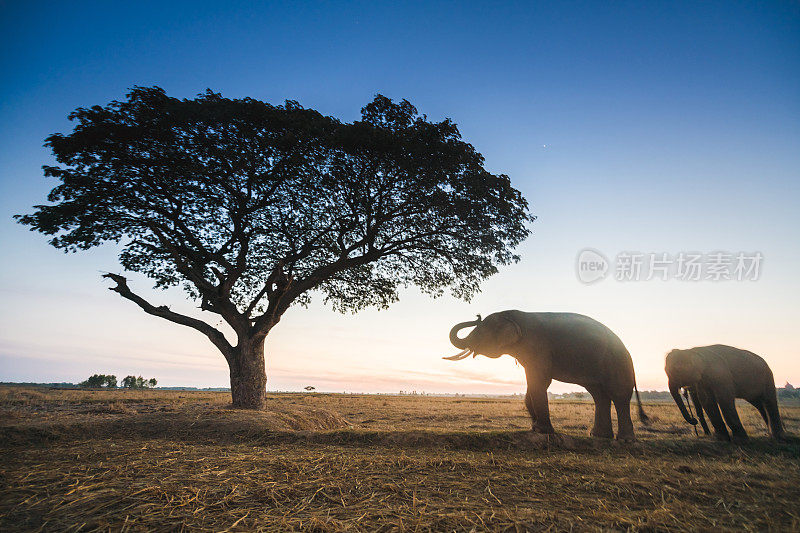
x=211, y=293
x=163, y=311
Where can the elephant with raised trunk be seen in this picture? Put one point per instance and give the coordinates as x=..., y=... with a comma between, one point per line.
x=566, y=347
x=717, y=375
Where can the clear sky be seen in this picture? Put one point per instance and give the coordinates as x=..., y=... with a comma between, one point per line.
x=660, y=127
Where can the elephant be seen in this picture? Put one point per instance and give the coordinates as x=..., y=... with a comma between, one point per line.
x=715, y=376
x=566, y=347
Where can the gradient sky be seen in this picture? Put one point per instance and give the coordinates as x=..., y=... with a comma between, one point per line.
x=652, y=127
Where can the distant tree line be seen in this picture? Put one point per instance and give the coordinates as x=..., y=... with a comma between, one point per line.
x=97, y=381
x=103, y=381
x=789, y=392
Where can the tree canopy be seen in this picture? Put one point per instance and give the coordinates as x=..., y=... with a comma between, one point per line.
x=251, y=206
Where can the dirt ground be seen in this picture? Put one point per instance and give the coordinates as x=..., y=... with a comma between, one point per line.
x=169, y=460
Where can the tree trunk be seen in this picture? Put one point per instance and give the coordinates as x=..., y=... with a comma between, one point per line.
x=248, y=375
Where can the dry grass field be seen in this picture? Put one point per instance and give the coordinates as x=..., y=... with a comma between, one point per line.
x=162, y=460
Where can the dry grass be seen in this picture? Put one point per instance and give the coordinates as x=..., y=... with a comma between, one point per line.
x=155, y=460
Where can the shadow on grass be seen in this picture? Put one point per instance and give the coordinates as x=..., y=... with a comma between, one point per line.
x=322, y=427
x=493, y=441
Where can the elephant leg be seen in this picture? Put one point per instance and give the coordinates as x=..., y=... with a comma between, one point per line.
x=727, y=404
x=771, y=405
x=537, y=390
x=602, y=413
x=759, y=404
x=529, y=407
x=709, y=403
x=624, y=423
x=699, y=408
x=542, y=411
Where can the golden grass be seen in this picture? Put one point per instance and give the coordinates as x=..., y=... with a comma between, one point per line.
x=160, y=460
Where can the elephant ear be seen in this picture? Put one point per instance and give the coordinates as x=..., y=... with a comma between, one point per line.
x=509, y=332
x=697, y=360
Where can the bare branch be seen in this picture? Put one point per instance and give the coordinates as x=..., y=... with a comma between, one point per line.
x=163, y=311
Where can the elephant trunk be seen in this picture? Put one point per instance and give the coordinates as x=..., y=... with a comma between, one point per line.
x=461, y=344
x=676, y=395
x=698, y=407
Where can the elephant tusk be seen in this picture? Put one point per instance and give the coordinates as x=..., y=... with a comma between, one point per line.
x=459, y=356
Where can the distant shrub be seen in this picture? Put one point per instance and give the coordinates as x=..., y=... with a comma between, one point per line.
x=134, y=382
x=97, y=381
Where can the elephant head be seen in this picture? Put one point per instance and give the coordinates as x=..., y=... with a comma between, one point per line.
x=684, y=368
x=493, y=336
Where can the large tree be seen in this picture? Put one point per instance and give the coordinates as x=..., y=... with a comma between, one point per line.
x=252, y=207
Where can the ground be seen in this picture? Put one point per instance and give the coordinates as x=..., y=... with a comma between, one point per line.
x=163, y=460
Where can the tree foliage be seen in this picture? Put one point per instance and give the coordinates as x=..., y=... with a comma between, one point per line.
x=97, y=381
x=133, y=382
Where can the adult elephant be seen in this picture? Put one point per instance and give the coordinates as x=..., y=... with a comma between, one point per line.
x=716, y=375
x=566, y=347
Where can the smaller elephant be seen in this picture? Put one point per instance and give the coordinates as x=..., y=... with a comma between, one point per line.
x=715, y=376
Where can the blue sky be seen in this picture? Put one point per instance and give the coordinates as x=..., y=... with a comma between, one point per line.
x=653, y=127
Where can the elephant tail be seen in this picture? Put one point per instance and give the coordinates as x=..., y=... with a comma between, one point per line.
x=643, y=418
